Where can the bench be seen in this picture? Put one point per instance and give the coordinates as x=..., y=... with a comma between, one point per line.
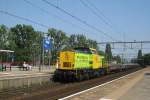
x=23, y=68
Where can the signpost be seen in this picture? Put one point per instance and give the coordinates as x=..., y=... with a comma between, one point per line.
x=47, y=44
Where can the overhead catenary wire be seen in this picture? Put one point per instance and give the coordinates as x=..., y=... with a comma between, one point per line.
x=99, y=14
x=104, y=17
x=23, y=18
x=78, y=19
x=54, y=15
x=95, y=13
x=45, y=11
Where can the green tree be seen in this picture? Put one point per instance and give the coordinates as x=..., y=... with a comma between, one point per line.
x=139, y=54
x=77, y=40
x=59, y=40
x=140, y=59
x=92, y=44
x=72, y=42
x=4, y=37
x=102, y=53
x=27, y=43
x=80, y=40
x=108, y=53
x=146, y=58
x=37, y=47
x=117, y=58
x=23, y=37
x=4, y=41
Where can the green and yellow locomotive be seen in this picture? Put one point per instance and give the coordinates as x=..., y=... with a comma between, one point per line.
x=80, y=64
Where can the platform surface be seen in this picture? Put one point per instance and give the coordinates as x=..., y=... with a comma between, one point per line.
x=140, y=91
x=135, y=86
x=15, y=72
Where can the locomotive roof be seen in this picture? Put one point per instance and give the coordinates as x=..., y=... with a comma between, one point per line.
x=85, y=50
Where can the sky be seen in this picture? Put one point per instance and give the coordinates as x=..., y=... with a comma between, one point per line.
x=128, y=20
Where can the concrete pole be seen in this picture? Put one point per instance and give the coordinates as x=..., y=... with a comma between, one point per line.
x=49, y=58
x=43, y=52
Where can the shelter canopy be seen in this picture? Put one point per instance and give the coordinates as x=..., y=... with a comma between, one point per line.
x=9, y=51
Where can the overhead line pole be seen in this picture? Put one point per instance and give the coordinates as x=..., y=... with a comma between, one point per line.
x=120, y=42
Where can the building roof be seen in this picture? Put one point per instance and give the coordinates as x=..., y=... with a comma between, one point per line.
x=7, y=51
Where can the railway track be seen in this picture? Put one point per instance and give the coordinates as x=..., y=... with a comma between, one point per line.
x=52, y=91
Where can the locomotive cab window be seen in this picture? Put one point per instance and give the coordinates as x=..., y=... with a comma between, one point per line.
x=93, y=51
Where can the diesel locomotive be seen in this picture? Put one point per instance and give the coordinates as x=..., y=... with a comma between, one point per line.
x=80, y=64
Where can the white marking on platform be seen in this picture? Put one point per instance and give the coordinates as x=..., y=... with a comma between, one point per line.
x=97, y=86
x=105, y=99
x=8, y=77
x=6, y=73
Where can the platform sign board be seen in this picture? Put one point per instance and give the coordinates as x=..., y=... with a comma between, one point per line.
x=47, y=43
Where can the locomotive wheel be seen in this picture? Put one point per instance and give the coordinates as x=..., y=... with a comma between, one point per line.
x=56, y=76
x=96, y=74
x=86, y=76
x=79, y=77
x=102, y=72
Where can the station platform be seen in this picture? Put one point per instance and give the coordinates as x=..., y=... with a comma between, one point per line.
x=134, y=86
x=15, y=72
x=18, y=78
x=140, y=91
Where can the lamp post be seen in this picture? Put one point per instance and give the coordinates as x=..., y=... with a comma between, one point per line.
x=34, y=55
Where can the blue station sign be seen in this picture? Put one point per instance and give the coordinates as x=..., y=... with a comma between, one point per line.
x=47, y=43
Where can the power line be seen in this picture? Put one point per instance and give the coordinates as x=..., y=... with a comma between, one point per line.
x=95, y=13
x=100, y=15
x=78, y=19
x=45, y=11
x=55, y=16
x=23, y=18
x=106, y=18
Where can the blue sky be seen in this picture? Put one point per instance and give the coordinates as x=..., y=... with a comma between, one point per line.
x=128, y=17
